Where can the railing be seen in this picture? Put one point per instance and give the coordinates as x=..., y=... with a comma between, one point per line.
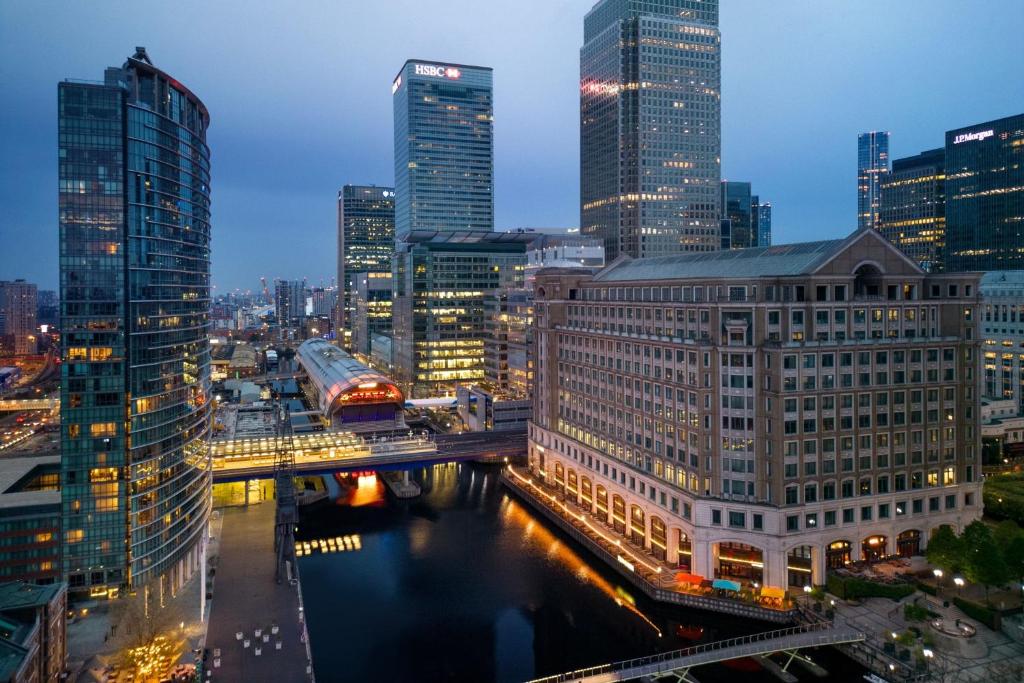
x=692, y=651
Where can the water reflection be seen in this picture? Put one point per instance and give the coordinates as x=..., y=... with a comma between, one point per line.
x=465, y=584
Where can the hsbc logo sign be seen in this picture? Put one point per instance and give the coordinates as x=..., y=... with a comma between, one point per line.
x=436, y=70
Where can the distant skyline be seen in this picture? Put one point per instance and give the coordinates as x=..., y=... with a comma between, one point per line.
x=300, y=104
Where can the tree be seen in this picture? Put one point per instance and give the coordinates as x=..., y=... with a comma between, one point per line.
x=1006, y=531
x=1013, y=553
x=985, y=565
x=945, y=550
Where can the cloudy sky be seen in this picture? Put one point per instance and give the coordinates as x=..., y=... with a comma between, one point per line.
x=300, y=100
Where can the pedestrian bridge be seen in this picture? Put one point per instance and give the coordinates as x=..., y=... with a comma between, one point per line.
x=679, y=662
x=16, y=404
x=335, y=451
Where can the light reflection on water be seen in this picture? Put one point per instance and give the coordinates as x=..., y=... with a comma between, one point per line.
x=465, y=584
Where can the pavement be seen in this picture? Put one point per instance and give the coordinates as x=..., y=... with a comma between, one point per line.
x=247, y=600
x=985, y=657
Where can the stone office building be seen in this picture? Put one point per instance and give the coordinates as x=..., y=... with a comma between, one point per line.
x=763, y=413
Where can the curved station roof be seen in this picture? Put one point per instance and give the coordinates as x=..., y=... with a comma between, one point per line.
x=342, y=380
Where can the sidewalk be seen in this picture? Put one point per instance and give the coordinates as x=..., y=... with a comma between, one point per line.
x=247, y=601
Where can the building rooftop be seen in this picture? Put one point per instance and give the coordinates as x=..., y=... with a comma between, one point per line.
x=996, y=279
x=775, y=261
x=19, y=594
x=335, y=373
x=15, y=472
x=467, y=236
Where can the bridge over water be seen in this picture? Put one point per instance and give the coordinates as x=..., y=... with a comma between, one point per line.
x=678, y=663
x=325, y=452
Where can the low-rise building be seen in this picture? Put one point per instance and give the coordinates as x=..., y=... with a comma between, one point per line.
x=33, y=632
x=30, y=519
x=483, y=410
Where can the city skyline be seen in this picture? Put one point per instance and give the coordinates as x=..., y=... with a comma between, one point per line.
x=799, y=153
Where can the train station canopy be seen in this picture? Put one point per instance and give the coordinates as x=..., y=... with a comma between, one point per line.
x=341, y=380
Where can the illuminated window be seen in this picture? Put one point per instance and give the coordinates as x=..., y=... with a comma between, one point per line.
x=74, y=535
x=103, y=429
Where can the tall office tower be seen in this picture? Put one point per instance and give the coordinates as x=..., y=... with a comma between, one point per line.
x=134, y=199
x=802, y=412
x=763, y=214
x=444, y=147
x=736, y=208
x=289, y=301
x=872, y=165
x=366, y=242
x=18, y=304
x=441, y=279
x=912, y=214
x=985, y=196
x=46, y=308
x=650, y=126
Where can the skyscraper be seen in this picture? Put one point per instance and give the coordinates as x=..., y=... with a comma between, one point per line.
x=18, y=304
x=736, y=209
x=444, y=147
x=985, y=196
x=872, y=164
x=761, y=218
x=289, y=301
x=134, y=213
x=650, y=126
x=366, y=241
x=912, y=214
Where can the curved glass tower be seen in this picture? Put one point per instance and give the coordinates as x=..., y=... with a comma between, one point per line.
x=134, y=174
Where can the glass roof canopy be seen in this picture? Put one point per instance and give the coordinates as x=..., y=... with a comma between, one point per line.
x=340, y=379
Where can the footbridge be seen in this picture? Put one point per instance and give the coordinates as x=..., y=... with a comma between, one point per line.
x=14, y=404
x=676, y=665
x=326, y=452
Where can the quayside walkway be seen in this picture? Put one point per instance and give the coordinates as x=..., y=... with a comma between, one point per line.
x=679, y=662
x=649, y=574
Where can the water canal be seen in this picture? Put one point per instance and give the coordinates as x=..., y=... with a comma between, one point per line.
x=466, y=584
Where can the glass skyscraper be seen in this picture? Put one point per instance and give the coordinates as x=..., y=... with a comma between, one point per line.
x=912, y=214
x=761, y=215
x=737, y=210
x=366, y=242
x=872, y=165
x=985, y=196
x=444, y=147
x=650, y=126
x=134, y=215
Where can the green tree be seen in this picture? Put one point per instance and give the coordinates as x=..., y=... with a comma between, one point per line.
x=945, y=550
x=1013, y=553
x=1006, y=531
x=985, y=565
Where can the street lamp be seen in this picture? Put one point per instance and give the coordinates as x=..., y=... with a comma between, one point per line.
x=959, y=583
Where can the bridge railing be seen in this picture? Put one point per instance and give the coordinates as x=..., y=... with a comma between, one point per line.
x=685, y=652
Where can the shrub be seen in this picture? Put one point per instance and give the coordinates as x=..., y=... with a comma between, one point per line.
x=853, y=588
x=989, y=617
x=912, y=612
x=926, y=588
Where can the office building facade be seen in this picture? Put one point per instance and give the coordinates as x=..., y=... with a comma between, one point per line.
x=441, y=279
x=289, y=301
x=18, y=308
x=366, y=242
x=444, y=147
x=912, y=214
x=761, y=215
x=872, y=166
x=738, y=218
x=372, y=294
x=134, y=207
x=650, y=126
x=763, y=414
x=985, y=196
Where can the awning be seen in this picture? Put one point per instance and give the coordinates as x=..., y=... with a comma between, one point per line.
x=683, y=577
x=725, y=585
x=773, y=592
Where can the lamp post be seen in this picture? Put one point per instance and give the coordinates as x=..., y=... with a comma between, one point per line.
x=959, y=584
x=938, y=580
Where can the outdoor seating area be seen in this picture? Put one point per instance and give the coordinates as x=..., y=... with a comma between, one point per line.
x=644, y=563
x=893, y=569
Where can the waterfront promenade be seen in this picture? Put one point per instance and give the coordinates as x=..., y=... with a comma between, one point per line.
x=652, y=576
x=247, y=600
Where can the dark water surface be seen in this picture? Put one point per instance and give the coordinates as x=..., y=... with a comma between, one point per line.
x=466, y=584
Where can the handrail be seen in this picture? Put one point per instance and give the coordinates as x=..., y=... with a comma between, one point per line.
x=685, y=652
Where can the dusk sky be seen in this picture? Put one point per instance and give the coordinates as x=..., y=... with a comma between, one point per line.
x=300, y=101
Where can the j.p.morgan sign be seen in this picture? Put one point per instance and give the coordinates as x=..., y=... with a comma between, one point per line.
x=973, y=137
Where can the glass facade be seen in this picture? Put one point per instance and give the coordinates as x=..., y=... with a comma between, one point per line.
x=985, y=196
x=761, y=215
x=736, y=208
x=366, y=241
x=440, y=324
x=872, y=165
x=444, y=147
x=913, y=207
x=134, y=206
x=650, y=126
